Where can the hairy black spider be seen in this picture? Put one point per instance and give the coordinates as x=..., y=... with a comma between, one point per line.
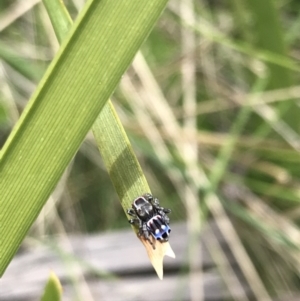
x=151, y=218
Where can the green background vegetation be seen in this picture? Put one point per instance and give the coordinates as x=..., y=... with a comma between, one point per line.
x=211, y=108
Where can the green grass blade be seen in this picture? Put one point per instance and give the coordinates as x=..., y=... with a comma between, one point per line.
x=60, y=18
x=122, y=164
x=120, y=160
x=69, y=98
x=113, y=143
x=53, y=289
x=269, y=37
x=29, y=70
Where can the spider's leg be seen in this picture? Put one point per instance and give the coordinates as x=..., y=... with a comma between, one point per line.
x=166, y=210
x=166, y=219
x=140, y=227
x=164, y=216
x=155, y=204
x=134, y=221
x=148, y=197
x=131, y=212
x=145, y=233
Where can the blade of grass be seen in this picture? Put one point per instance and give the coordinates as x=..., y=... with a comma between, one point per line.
x=31, y=71
x=115, y=148
x=269, y=37
x=118, y=156
x=60, y=18
x=53, y=289
x=70, y=96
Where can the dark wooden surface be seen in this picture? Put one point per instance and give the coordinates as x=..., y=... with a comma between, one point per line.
x=118, y=254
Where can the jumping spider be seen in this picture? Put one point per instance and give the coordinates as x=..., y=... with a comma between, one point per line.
x=151, y=218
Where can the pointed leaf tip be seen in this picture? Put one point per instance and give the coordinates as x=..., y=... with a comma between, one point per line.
x=169, y=252
x=53, y=289
x=156, y=255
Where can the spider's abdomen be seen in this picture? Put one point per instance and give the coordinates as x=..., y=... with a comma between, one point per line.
x=159, y=229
